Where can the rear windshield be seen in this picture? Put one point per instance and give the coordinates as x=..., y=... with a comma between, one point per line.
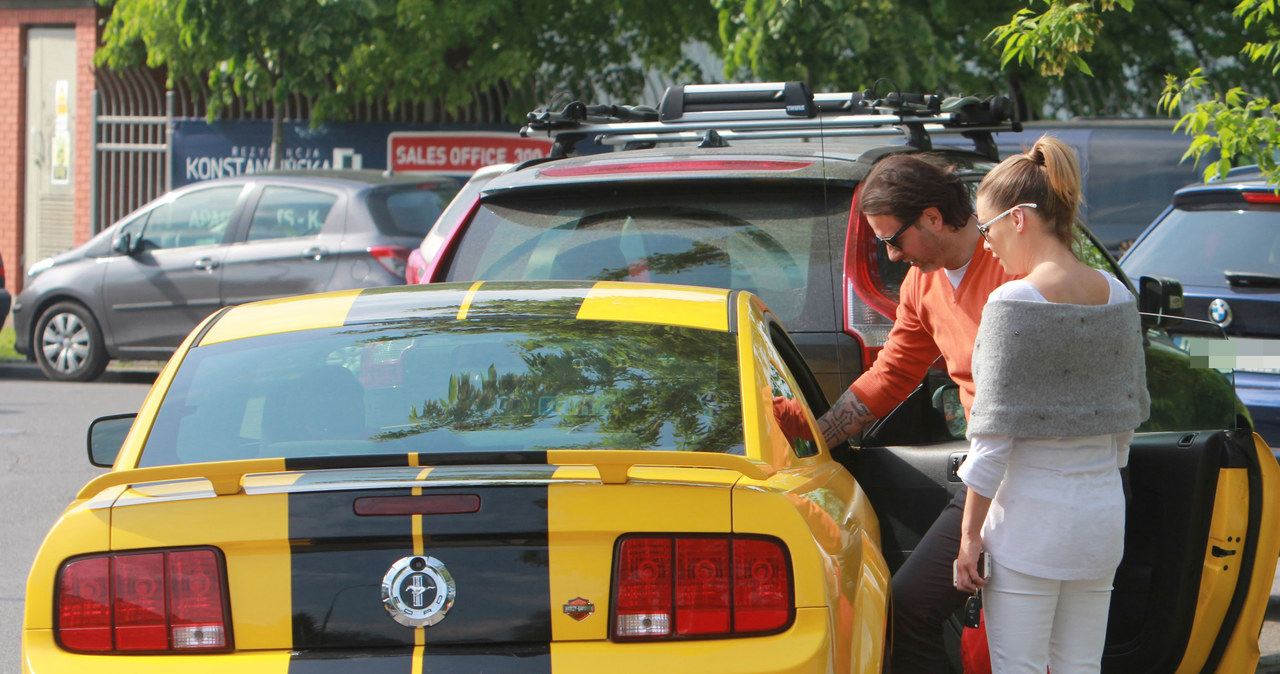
x=410, y=210
x=430, y=386
x=1196, y=246
x=771, y=240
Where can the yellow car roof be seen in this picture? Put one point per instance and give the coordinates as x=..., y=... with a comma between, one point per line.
x=686, y=306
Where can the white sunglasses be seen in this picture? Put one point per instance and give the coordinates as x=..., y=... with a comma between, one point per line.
x=983, y=228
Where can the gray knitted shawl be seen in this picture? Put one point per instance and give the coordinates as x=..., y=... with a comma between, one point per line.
x=1043, y=369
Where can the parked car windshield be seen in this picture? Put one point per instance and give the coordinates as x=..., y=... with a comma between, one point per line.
x=1197, y=245
x=410, y=210
x=497, y=384
x=770, y=240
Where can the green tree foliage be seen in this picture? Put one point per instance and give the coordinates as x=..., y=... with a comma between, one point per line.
x=539, y=53
x=337, y=53
x=1239, y=123
x=849, y=44
x=258, y=51
x=1062, y=61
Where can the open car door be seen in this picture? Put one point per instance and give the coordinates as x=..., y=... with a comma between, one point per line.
x=1202, y=520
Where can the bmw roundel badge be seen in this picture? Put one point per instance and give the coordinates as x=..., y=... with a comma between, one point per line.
x=418, y=591
x=1220, y=312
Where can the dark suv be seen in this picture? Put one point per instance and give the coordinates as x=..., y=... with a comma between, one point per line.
x=1222, y=241
x=755, y=187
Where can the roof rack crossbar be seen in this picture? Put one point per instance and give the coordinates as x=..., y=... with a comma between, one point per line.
x=694, y=136
x=691, y=136
x=815, y=124
x=776, y=110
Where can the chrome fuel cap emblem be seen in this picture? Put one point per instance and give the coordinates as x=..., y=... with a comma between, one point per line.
x=418, y=591
x=1220, y=312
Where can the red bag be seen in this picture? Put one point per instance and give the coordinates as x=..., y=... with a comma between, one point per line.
x=974, y=656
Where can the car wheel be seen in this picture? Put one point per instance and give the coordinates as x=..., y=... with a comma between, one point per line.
x=68, y=344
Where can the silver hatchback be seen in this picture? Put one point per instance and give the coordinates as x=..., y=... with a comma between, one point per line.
x=137, y=288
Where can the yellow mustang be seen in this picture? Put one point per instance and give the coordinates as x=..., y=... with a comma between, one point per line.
x=554, y=476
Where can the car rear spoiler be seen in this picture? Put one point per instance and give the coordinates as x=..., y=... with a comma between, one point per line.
x=227, y=477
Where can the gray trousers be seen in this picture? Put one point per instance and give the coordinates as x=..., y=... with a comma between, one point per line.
x=924, y=597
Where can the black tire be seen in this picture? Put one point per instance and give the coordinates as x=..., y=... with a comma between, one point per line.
x=68, y=343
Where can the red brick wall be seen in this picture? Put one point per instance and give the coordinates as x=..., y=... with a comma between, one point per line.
x=13, y=137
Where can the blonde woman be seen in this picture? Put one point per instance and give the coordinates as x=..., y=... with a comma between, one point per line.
x=1060, y=386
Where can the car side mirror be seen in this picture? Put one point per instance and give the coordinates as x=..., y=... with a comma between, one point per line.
x=123, y=244
x=106, y=437
x=1160, y=301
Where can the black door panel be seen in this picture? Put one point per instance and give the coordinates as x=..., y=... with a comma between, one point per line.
x=908, y=486
x=1173, y=479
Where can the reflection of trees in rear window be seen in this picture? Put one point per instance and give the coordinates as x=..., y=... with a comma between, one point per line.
x=493, y=383
x=638, y=387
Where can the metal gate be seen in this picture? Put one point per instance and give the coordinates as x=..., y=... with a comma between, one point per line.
x=131, y=120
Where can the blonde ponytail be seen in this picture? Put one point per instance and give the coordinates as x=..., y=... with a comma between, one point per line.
x=1048, y=176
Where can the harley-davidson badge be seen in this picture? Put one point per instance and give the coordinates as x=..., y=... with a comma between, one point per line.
x=579, y=609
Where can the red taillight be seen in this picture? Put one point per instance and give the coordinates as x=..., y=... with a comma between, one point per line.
x=700, y=586
x=394, y=259
x=84, y=605
x=415, y=267
x=761, y=586
x=1262, y=197
x=139, y=601
x=151, y=602
x=870, y=305
x=643, y=586
x=704, y=581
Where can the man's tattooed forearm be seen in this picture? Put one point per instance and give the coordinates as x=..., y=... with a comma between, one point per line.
x=845, y=419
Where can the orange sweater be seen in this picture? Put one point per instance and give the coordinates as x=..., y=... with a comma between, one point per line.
x=933, y=320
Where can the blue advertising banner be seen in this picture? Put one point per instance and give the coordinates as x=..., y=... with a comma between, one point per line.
x=203, y=151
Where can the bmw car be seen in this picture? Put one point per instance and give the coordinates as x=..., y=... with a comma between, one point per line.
x=558, y=476
x=1222, y=241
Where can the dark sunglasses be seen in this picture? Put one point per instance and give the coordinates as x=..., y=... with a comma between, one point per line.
x=893, y=240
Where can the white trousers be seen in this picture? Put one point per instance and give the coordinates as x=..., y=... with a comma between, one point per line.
x=1033, y=623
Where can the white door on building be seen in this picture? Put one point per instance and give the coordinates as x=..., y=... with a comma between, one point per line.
x=51, y=87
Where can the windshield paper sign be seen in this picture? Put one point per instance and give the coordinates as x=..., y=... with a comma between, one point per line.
x=439, y=152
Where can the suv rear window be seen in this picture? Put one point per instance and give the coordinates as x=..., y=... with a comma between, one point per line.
x=1196, y=245
x=410, y=210
x=768, y=239
x=500, y=384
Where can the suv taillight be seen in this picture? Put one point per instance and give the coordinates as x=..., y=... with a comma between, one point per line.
x=415, y=268
x=392, y=258
x=682, y=586
x=870, y=300
x=153, y=602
